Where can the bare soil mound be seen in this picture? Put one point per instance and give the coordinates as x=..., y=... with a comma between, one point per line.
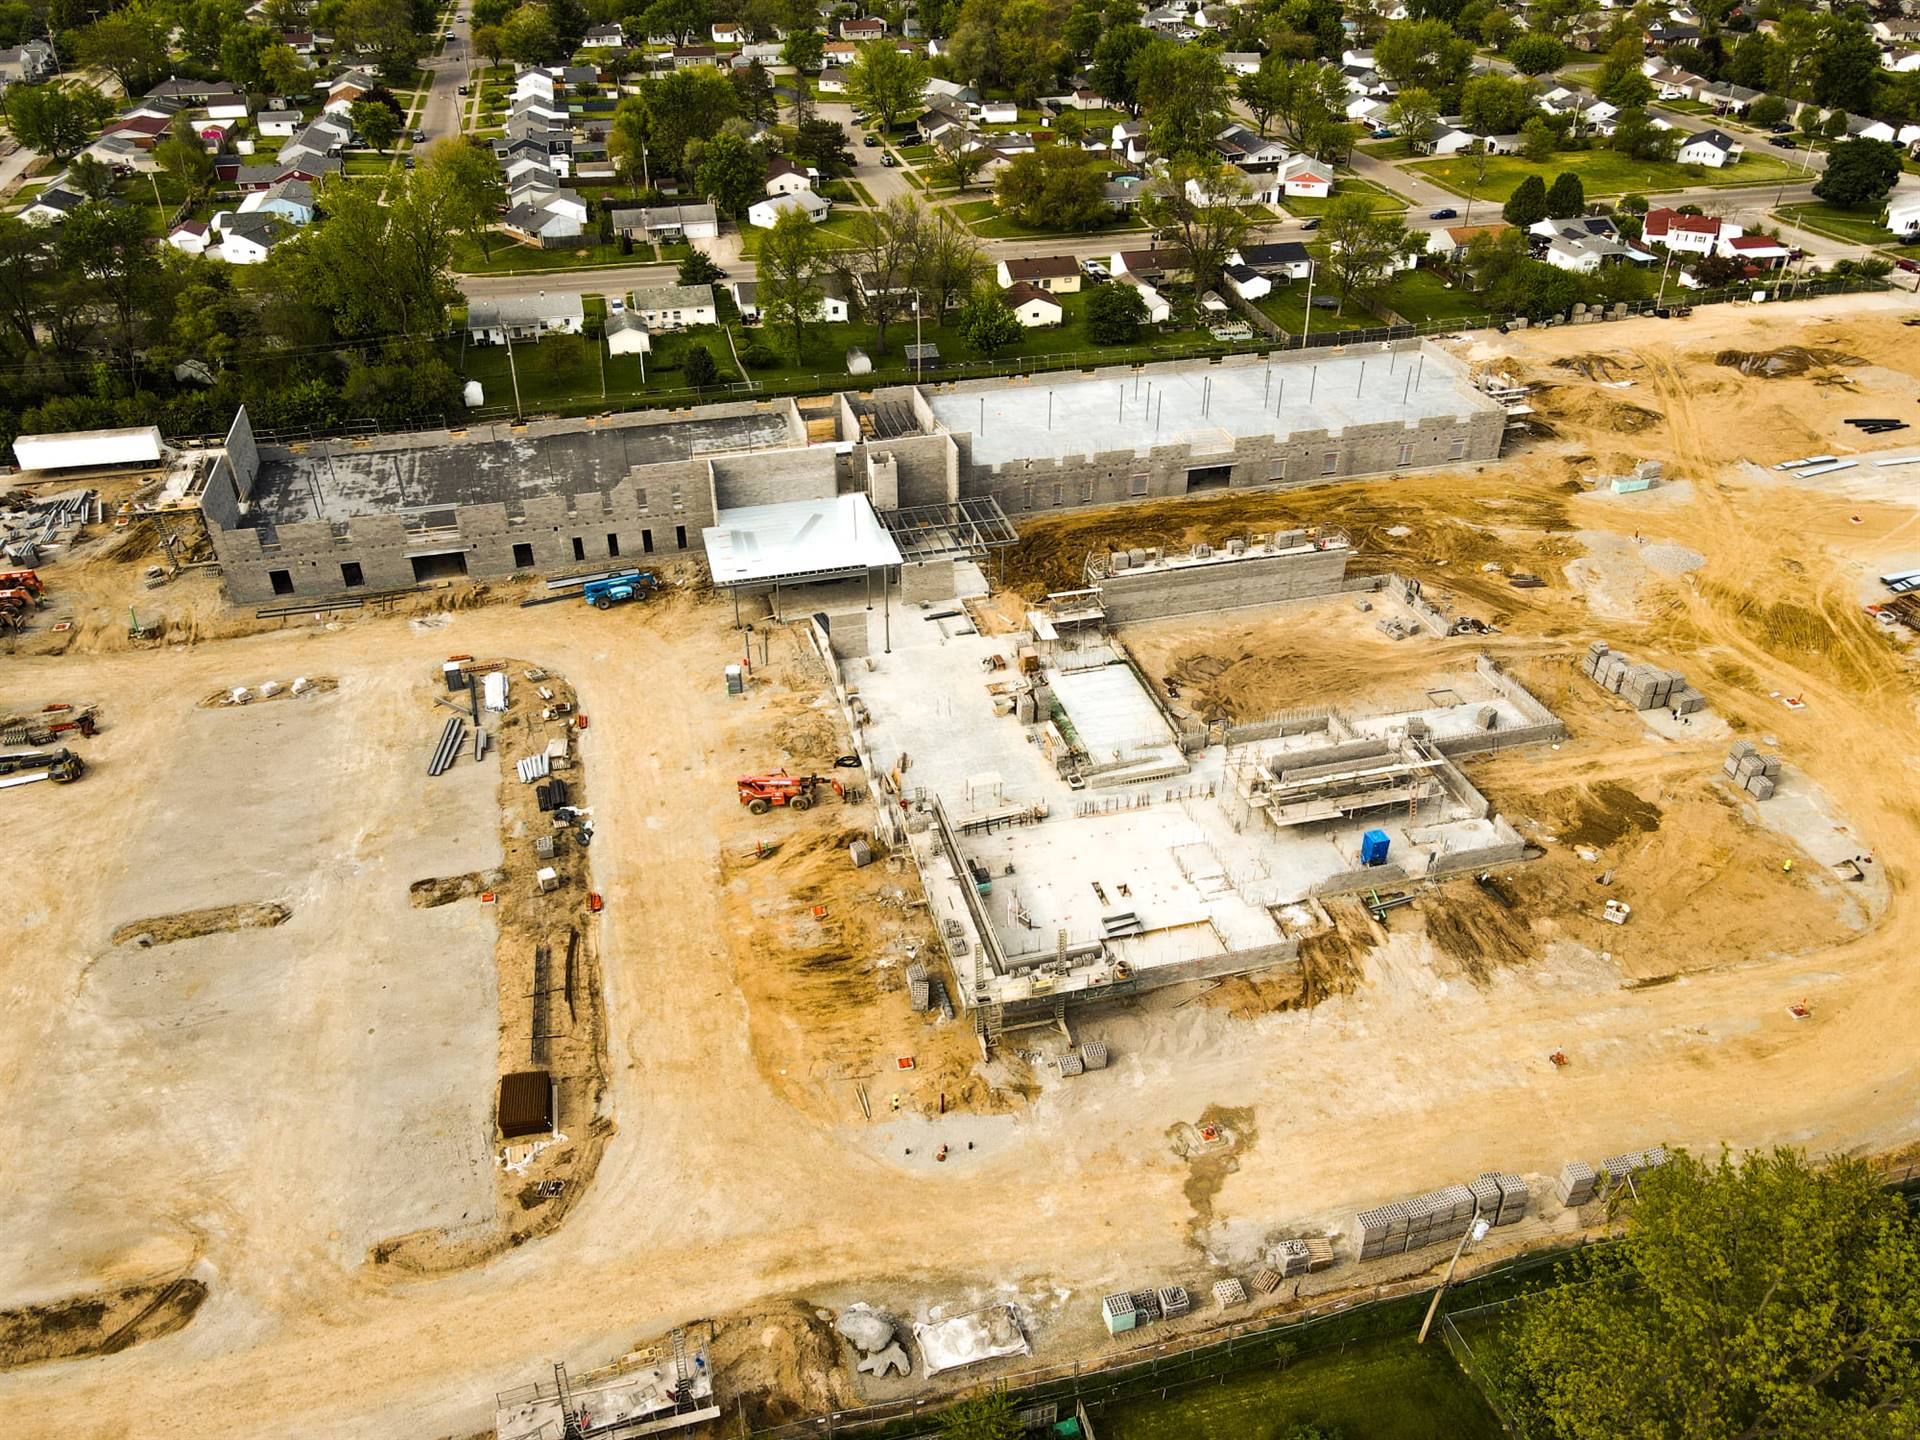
x=192, y=924
x=102, y=1323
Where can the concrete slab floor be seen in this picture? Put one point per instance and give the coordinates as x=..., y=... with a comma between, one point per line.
x=318, y=1086
x=1207, y=406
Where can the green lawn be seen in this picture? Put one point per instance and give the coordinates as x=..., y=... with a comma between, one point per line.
x=1396, y=149
x=1388, y=1389
x=983, y=217
x=563, y=370
x=1861, y=227
x=1422, y=295
x=836, y=231
x=1602, y=172
x=365, y=162
x=1378, y=198
x=510, y=258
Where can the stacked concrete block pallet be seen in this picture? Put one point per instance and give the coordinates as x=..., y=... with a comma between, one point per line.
x=1581, y=1182
x=1298, y=1257
x=1500, y=1198
x=1577, y=1184
x=1645, y=687
x=1429, y=1219
x=1757, y=774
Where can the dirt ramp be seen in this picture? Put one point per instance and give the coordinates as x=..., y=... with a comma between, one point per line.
x=101, y=1323
x=192, y=924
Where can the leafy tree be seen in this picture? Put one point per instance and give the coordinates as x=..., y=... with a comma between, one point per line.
x=1496, y=28
x=383, y=31
x=1747, y=63
x=1054, y=188
x=732, y=173
x=696, y=363
x=803, y=49
x=1537, y=54
x=1032, y=57
x=1846, y=68
x=984, y=1417
x=1763, y=1298
x=1619, y=80
x=1808, y=120
x=129, y=44
x=1538, y=142
x=375, y=121
x=823, y=145
x=1363, y=248
x=1767, y=111
x=671, y=110
x=241, y=51
x=381, y=265
x=58, y=118
x=475, y=188
x=1495, y=104
x=1636, y=135
x=988, y=322
x=961, y=160
x=880, y=258
x=698, y=268
x=282, y=72
x=1306, y=101
x=182, y=155
x=490, y=41
x=1412, y=113
x=1567, y=197
x=788, y=266
x=104, y=247
x=885, y=83
x=1835, y=125
x=1426, y=53
x=1203, y=202
x=1081, y=30
x=755, y=90
x=1183, y=92
x=1859, y=172
x=946, y=261
x=92, y=178
x=1528, y=203
x=1114, y=57
x=529, y=37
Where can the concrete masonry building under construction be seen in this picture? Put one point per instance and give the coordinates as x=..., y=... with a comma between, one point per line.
x=1080, y=840
x=320, y=519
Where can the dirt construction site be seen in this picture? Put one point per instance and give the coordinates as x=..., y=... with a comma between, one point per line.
x=277, y=991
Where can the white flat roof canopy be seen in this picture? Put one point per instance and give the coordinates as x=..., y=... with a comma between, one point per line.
x=797, y=540
x=87, y=449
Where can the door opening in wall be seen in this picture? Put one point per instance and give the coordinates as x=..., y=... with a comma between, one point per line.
x=680, y=536
x=449, y=565
x=523, y=557
x=1209, y=477
x=351, y=575
x=613, y=546
x=579, y=548
x=281, y=580
x=646, y=542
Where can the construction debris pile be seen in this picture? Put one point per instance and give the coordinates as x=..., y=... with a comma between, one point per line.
x=1757, y=774
x=1645, y=687
x=1439, y=1215
x=877, y=1337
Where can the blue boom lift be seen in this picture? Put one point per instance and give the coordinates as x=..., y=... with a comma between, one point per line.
x=611, y=590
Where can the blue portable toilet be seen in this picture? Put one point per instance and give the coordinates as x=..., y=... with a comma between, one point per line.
x=1373, y=848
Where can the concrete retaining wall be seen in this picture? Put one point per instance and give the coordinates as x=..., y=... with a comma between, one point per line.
x=1129, y=596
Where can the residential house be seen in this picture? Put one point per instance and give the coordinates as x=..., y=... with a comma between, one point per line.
x=1124, y=195
x=291, y=200
x=27, y=63
x=1151, y=264
x=1055, y=274
x=839, y=52
x=277, y=123
x=1033, y=306
x=1903, y=213
x=1585, y=243
x=1286, y=259
x=1600, y=116
x=1685, y=234
x=764, y=214
x=190, y=236
x=1129, y=141
x=119, y=152
x=1239, y=62
x=1247, y=282
x=554, y=215
x=1669, y=83
x=205, y=93
x=1451, y=243
x=526, y=317
x=729, y=32
x=1159, y=311
x=605, y=37
x=1901, y=61
x=343, y=90
x=52, y=205
x=1366, y=110
x=746, y=299
x=786, y=178
x=143, y=132
x=685, y=57
x=833, y=81
x=627, y=334
x=1862, y=127
x=959, y=97
x=1757, y=251
x=1712, y=148
x=301, y=42
x=1444, y=139
x=995, y=112
x=1302, y=176
x=673, y=307
x=247, y=239
x=870, y=27
x=667, y=222
x=1249, y=149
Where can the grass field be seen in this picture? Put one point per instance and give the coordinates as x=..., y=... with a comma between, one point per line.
x=1287, y=308
x=1375, y=1390
x=564, y=369
x=1378, y=198
x=510, y=258
x=1861, y=227
x=984, y=219
x=1422, y=295
x=836, y=232
x=1602, y=172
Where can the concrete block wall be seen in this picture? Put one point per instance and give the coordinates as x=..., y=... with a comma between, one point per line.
x=244, y=454
x=768, y=477
x=1150, y=594
x=927, y=466
x=883, y=479
x=1522, y=698
x=220, y=501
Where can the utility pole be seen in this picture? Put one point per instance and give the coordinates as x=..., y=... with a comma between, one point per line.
x=1306, y=322
x=1475, y=1232
x=512, y=369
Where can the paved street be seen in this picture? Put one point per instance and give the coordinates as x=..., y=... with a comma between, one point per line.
x=448, y=65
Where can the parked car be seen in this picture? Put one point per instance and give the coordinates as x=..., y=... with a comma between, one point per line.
x=887, y=161
x=1912, y=267
x=615, y=304
x=870, y=140
x=419, y=137
x=1313, y=224
x=1445, y=213
x=407, y=160
x=466, y=89
x=1782, y=128
x=1382, y=135
x=1093, y=270
x=1786, y=142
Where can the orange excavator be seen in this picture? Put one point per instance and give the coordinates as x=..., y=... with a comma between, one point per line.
x=760, y=793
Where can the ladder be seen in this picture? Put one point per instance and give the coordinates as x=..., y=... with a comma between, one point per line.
x=682, y=1377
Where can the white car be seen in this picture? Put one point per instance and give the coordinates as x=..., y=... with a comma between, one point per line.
x=616, y=305
x=1093, y=270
